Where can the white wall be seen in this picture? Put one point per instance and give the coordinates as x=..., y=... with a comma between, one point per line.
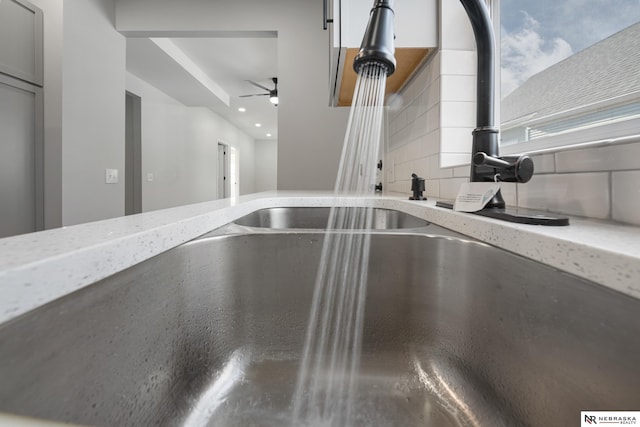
x=93, y=82
x=310, y=134
x=180, y=149
x=266, y=165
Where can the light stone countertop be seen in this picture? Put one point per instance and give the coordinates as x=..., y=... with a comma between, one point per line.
x=37, y=268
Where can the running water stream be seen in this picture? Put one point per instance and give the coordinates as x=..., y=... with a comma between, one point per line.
x=326, y=385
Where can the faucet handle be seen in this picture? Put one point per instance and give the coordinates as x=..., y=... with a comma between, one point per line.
x=507, y=168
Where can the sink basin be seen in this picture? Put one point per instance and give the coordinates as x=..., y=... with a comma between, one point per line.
x=456, y=333
x=317, y=217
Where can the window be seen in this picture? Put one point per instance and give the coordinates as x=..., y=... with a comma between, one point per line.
x=570, y=71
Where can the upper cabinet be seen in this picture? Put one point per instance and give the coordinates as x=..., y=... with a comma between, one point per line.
x=21, y=41
x=416, y=29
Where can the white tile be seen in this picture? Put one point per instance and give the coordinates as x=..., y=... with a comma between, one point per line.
x=421, y=80
x=421, y=126
x=456, y=140
x=431, y=96
x=455, y=27
x=437, y=171
x=400, y=138
x=462, y=171
x=459, y=62
x=582, y=194
x=396, y=186
x=626, y=197
x=398, y=122
x=412, y=111
x=432, y=187
x=449, y=187
x=509, y=193
x=430, y=144
x=608, y=158
x=458, y=88
x=544, y=163
x=457, y=114
x=404, y=170
x=448, y=160
x=422, y=167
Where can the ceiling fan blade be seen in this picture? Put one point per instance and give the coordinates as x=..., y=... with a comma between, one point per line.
x=255, y=94
x=259, y=85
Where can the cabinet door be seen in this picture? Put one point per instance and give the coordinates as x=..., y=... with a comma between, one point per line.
x=21, y=41
x=21, y=186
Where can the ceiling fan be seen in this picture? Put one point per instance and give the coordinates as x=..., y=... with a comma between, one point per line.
x=272, y=93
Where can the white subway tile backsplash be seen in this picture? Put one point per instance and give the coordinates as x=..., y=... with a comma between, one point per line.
x=430, y=144
x=449, y=187
x=457, y=140
x=457, y=114
x=509, y=193
x=458, y=62
x=422, y=126
x=455, y=28
x=403, y=171
x=436, y=171
x=626, y=197
x=422, y=167
x=411, y=111
x=462, y=171
x=448, y=160
x=433, y=187
x=607, y=158
x=458, y=88
x=433, y=117
x=398, y=121
x=544, y=163
x=582, y=194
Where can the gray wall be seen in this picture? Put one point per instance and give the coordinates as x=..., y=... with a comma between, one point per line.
x=266, y=165
x=93, y=109
x=310, y=134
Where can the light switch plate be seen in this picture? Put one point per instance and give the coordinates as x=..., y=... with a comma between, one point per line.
x=149, y=177
x=111, y=176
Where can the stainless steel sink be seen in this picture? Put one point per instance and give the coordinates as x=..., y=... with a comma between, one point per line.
x=457, y=333
x=317, y=217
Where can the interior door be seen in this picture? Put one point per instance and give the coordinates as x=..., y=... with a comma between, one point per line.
x=133, y=155
x=21, y=163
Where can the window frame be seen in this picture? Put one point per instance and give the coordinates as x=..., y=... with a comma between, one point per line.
x=622, y=131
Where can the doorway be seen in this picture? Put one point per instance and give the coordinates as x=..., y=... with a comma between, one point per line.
x=223, y=170
x=133, y=155
x=228, y=171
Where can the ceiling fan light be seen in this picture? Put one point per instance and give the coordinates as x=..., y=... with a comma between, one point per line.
x=273, y=99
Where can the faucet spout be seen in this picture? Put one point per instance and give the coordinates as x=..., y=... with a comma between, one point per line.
x=485, y=135
x=378, y=41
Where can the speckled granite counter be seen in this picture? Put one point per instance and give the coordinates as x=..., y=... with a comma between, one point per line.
x=39, y=267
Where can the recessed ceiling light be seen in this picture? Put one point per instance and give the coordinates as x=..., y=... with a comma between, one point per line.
x=258, y=125
x=242, y=109
x=268, y=134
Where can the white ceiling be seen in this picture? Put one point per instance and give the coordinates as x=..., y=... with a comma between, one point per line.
x=227, y=63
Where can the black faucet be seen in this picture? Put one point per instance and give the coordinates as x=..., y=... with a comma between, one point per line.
x=486, y=163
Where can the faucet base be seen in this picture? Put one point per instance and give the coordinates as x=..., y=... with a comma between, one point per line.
x=517, y=215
